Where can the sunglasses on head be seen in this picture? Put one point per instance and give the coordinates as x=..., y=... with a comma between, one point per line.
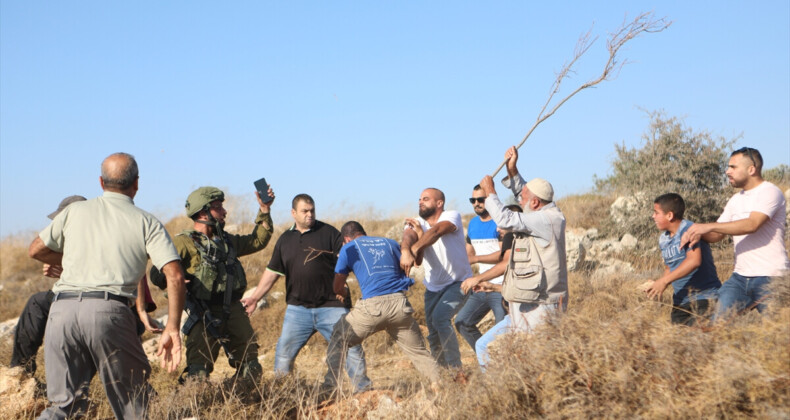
x=480, y=200
x=747, y=151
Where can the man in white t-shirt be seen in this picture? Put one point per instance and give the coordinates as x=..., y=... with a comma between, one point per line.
x=436, y=238
x=755, y=217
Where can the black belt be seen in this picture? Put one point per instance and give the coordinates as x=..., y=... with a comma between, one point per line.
x=90, y=295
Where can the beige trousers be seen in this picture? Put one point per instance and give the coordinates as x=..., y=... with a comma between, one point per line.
x=392, y=313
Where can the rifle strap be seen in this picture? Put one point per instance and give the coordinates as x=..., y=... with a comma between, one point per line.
x=229, y=286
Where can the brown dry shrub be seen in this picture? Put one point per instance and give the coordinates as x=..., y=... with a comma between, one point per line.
x=15, y=265
x=20, y=275
x=778, y=175
x=585, y=210
x=615, y=355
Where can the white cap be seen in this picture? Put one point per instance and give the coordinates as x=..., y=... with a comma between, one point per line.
x=542, y=189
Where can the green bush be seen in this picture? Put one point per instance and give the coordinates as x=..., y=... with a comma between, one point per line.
x=672, y=158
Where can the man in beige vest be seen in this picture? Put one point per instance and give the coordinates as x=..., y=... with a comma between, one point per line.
x=544, y=222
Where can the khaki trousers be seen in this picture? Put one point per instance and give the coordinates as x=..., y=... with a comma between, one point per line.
x=392, y=313
x=203, y=349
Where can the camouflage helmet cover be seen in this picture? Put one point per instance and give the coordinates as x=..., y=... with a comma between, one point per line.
x=202, y=197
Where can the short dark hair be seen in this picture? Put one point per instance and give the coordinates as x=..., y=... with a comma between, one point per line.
x=477, y=187
x=671, y=202
x=514, y=207
x=120, y=177
x=302, y=197
x=753, y=154
x=351, y=229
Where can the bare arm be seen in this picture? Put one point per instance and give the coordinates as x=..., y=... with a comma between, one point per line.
x=691, y=263
x=149, y=323
x=492, y=273
x=470, y=253
x=41, y=252
x=486, y=286
x=170, y=343
x=268, y=279
x=432, y=235
x=407, y=258
x=139, y=303
x=340, y=287
x=491, y=258
x=261, y=232
x=715, y=232
x=53, y=271
x=511, y=156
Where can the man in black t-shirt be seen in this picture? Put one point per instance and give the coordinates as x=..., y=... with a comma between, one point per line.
x=306, y=255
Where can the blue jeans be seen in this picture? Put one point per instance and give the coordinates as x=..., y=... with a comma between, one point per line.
x=530, y=316
x=741, y=292
x=299, y=325
x=476, y=307
x=440, y=307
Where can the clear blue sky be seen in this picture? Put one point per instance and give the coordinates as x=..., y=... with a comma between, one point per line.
x=360, y=104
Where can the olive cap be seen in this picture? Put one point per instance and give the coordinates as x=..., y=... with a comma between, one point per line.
x=201, y=198
x=65, y=203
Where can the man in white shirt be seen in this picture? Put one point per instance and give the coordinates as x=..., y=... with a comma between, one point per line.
x=436, y=238
x=755, y=217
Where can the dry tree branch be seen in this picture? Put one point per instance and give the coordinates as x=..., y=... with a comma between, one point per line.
x=644, y=23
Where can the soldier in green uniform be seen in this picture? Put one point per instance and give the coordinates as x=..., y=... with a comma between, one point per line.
x=216, y=283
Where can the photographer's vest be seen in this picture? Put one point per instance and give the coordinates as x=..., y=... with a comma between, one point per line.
x=535, y=273
x=218, y=266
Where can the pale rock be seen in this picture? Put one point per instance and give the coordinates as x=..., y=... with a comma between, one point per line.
x=385, y=408
x=150, y=348
x=163, y=319
x=575, y=250
x=624, y=206
x=17, y=393
x=612, y=267
x=425, y=405
x=7, y=328
x=603, y=248
x=628, y=241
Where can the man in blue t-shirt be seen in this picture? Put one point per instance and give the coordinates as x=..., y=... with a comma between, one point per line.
x=690, y=270
x=483, y=246
x=376, y=264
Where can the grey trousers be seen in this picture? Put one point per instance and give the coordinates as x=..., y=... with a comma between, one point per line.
x=87, y=336
x=392, y=313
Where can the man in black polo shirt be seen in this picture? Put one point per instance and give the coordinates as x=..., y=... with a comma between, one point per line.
x=306, y=255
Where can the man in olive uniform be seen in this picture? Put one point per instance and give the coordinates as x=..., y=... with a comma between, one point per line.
x=210, y=258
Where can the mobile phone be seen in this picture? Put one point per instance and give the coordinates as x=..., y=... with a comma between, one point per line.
x=263, y=190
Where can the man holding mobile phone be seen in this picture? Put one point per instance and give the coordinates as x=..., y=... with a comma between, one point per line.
x=210, y=258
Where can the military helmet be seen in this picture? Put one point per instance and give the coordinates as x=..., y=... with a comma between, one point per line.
x=201, y=198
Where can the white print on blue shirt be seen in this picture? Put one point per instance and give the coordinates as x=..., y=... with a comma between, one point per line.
x=371, y=251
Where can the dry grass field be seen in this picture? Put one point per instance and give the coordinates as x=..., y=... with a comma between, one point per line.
x=613, y=355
